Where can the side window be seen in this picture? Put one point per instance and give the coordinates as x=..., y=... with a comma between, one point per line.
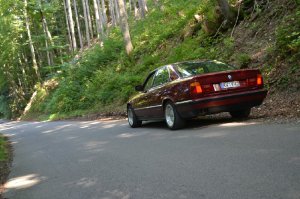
x=161, y=77
x=149, y=82
x=173, y=73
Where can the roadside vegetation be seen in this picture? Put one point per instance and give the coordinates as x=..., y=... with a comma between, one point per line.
x=5, y=161
x=265, y=34
x=3, y=148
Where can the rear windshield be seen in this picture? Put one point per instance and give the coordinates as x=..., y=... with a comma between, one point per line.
x=188, y=69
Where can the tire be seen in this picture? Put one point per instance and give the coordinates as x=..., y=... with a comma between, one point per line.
x=242, y=114
x=132, y=118
x=173, y=120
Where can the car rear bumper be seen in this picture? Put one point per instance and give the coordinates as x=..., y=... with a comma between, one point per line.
x=221, y=103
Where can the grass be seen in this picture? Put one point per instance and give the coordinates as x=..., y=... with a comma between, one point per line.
x=102, y=79
x=3, y=151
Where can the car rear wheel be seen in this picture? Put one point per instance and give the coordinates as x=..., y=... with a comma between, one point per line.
x=132, y=118
x=242, y=114
x=173, y=119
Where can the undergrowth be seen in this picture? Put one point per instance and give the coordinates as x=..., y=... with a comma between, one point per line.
x=287, y=48
x=3, y=152
x=102, y=79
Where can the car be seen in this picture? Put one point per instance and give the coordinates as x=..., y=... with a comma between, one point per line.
x=181, y=91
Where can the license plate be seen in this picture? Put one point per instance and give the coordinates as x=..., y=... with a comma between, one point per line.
x=226, y=85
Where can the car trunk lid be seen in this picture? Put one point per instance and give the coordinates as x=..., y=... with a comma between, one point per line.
x=228, y=81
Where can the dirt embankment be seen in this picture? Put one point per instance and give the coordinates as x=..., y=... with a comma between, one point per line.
x=255, y=37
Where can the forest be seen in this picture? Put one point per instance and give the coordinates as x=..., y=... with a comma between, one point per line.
x=70, y=58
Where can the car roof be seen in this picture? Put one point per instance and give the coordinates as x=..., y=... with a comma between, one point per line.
x=183, y=62
x=196, y=61
x=188, y=62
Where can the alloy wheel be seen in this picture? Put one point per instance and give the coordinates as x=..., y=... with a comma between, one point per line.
x=170, y=116
x=130, y=117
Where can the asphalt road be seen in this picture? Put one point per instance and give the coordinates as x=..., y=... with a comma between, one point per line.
x=211, y=159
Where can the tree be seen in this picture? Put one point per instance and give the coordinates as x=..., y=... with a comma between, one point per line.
x=68, y=27
x=89, y=18
x=117, y=10
x=34, y=62
x=143, y=8
x=112, y=12
x=125, y=27
x=97, y=19
x=86, y=22
x=228, y=14
x=71, y=24
x=48, y=37
x=78, y=24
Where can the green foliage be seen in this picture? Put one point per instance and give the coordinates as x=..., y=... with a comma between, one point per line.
x=243, y=60
x=16, y=63
x=38, y=102
x=3, y=151
x=102, y=78
x=288, y=80
x=79, y=76
x=161, y=25
x=288, y=35
x=4, y=107
x=4, y=102
x=207, y=7
x=228, y=47
x=66, y=98
x=106, y=76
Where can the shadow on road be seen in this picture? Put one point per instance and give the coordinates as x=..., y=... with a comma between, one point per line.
x=201, y=122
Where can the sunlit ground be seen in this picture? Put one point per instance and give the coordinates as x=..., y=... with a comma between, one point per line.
x=23, y=182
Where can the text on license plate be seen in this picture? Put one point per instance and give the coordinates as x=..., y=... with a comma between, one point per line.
x=225, y=85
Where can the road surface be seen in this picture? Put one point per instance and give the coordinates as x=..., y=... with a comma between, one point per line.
x=211, y=159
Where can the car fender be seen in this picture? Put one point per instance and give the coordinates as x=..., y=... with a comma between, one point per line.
x=165, y=99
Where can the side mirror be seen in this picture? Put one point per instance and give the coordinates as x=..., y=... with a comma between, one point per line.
x=139, y=88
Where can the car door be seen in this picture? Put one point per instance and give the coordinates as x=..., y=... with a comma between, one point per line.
x=142, y=102
x=161, y=78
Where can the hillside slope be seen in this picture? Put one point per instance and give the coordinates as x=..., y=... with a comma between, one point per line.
x=100, y=80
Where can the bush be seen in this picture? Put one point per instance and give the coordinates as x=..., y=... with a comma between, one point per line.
x=288, y=35
x=4, y=107
x=243, y=60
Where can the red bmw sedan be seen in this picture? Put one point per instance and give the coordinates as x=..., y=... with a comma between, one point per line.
x=185, y=90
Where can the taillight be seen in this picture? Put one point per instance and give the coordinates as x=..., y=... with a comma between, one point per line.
x=259, y=79
x=252, y=82
x=196, y=88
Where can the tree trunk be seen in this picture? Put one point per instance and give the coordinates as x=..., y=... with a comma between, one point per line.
x=226, y=11
x=89, y=18
x=86, y=22
x=125, y=27
x=117, y=11
x=100, y=18
x=98, y=26
x=145, y=6
x=142, y=8
x=34, y=62
x=68, y=27
x=136, y=10
x=71, y=23
x=112, y=12
x=47, y=37
x=78, y=24
x=130, y=5
x=49, y=57
x=104, y=12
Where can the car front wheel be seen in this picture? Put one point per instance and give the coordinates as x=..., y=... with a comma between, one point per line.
x=132, y=118
x=173, y=119
x=241, y=114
